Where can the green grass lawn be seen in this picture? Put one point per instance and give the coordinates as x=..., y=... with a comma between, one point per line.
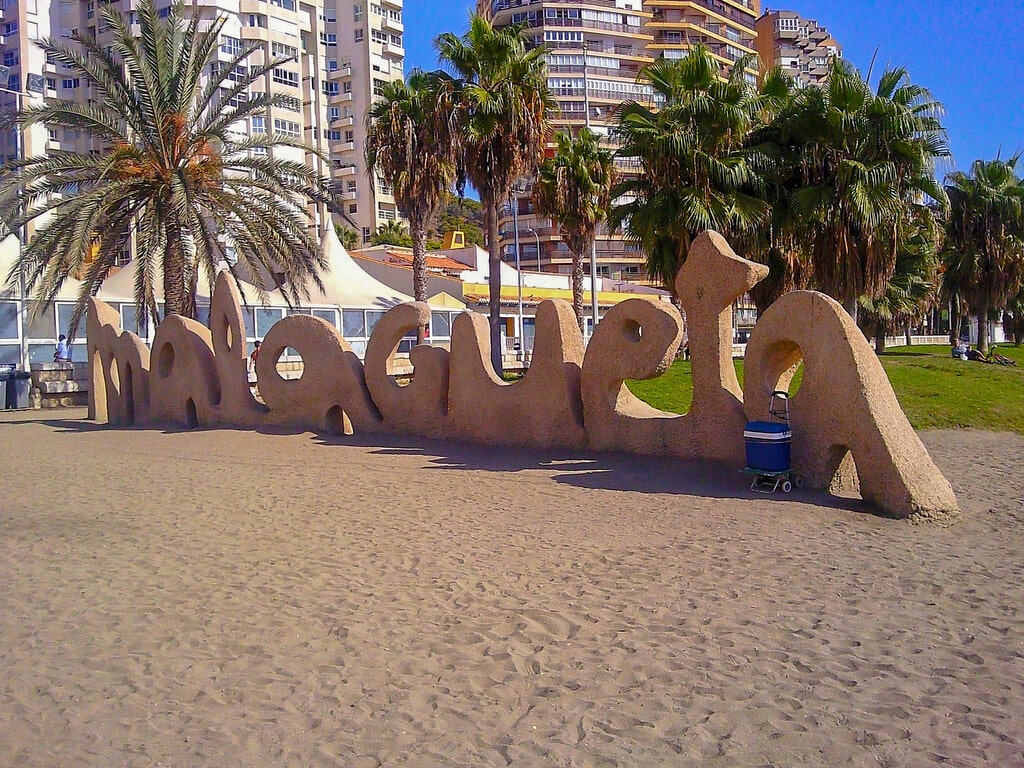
x=935, y=390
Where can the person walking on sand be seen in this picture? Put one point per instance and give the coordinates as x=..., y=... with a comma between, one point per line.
x=62, y=353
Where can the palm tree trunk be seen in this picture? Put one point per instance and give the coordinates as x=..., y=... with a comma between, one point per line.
x=983, y=328
x=906, y=332
x=174, y=277
x=494, y=277
x=577, y=290
x=419, y=270
x=879, y=337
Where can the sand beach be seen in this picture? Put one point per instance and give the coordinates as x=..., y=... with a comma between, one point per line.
x=236, y=598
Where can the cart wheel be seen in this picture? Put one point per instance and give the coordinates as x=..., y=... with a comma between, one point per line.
x=798, y=481
x=787, y=486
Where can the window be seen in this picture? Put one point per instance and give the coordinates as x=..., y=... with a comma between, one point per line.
x=285, y=77
x=10, y=58
x=346, y=87
x=332, y=113
x=90, y=9
x=367, y=234
x=350, y=136
x=359, y=35
x=8, y=320
x=332, y=135
x=265, y=318
x=332, y=65
x=377, y=36
x=280, y=49
x=51, y=134
x=11, y=28
x=230, y=45
x=396, y=40
x=378, y=87
x=353, y=208
x=350, y=185
x=352, y=320
x=51, y=83
x=287, y=127
x=331, y=88
x=357, y=12
x=163, y=13
x=288, y=5
x=256, y=20
x=69, y=82
x=259, y=124
x=329, y=39
x=329, y=316
x=554, y=36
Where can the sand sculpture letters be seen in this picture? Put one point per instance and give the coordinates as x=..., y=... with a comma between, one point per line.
x=844, y=411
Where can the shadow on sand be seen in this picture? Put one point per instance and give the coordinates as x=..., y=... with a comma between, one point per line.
x=581, y=469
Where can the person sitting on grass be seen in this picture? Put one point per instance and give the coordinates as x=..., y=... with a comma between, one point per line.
x=979, y=356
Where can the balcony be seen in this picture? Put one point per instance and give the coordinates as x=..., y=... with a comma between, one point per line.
x=345, y=170
x=345, y=146
x=396, y=4
x=392, y=25
x=338, y=98
x=394, y=51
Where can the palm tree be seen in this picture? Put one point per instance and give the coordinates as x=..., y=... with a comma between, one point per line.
x=868, y=164
x=775, y=239
x=573, y=188
x=911, y=289
x=984, y=254
x=409, y=144
x=694, y=173
x=504, y=107
x=348, y=236
x=395, y=233
x=171, y=169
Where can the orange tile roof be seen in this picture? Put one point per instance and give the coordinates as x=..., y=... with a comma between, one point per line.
x=403, y=258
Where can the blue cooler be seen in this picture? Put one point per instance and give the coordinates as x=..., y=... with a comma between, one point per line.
x=768, y=444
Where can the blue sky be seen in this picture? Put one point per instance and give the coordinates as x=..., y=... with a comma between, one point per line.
x=970, y=54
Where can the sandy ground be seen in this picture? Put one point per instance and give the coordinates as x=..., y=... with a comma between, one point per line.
x=229, y=598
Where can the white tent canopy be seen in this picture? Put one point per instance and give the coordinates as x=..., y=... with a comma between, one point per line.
x=349, y=285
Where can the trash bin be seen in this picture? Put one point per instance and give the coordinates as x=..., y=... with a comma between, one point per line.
x=768, y=445
x=19, y=387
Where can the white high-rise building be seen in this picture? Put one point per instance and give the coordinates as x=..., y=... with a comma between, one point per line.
x=343, y=52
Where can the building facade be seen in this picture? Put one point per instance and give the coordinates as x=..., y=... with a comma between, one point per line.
x=595, y=51
x=365, y=50
x=801, y=47
x=342, y=52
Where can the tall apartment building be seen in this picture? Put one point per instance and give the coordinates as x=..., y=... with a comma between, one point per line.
x=343, y=51
x=724, y=27
x=364, y=51
x=800, y=46
x=596, y=49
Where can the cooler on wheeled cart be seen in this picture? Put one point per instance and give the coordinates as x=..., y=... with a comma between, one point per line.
x=768, y=449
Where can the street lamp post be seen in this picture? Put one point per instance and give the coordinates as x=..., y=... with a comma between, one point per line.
x=514, y=205
x=593, y=246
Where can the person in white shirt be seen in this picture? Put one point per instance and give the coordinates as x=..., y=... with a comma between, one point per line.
x=63, y=352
